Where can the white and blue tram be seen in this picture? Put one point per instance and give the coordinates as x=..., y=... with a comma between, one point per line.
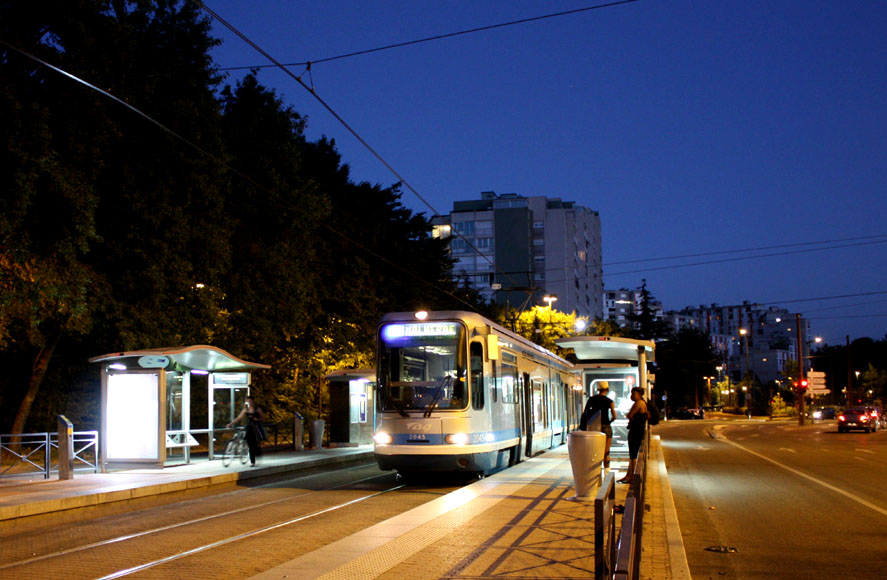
x=457, y=392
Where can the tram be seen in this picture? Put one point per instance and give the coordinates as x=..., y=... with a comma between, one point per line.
x=458, y=393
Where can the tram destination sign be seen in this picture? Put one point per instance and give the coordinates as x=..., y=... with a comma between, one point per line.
x=419, y=329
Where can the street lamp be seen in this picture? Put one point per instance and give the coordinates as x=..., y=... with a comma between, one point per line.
x=549, y=298
x=744, y=333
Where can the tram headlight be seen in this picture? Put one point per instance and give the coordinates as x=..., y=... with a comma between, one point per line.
x=382, y=438
x=456, y=438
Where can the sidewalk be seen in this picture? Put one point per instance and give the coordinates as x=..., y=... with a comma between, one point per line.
x=517, y=523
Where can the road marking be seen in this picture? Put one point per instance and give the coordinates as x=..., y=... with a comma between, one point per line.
x=846, y=494
x=787, y=449
x=865, y=451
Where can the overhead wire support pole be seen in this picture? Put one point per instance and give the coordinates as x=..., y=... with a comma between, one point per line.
x=802, y=408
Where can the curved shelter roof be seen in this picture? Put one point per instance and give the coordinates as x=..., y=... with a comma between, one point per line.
x=198, y=357
x=607, y=348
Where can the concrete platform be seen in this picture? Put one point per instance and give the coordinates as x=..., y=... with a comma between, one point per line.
x=520, y=523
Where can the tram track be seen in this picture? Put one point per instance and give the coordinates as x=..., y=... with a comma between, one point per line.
x=282, y=507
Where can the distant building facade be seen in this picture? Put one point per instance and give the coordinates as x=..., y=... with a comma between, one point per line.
x=510, y=247
x=620, y=305
x=771, y=337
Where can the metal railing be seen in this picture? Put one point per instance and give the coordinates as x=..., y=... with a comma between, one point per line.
x=31, y=453
x=605, y=529
x=628, y=552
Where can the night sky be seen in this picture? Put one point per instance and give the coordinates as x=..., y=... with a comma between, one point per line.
x=706, y=131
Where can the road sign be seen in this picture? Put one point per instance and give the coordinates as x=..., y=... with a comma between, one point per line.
x=815, y=382
x=816, y=375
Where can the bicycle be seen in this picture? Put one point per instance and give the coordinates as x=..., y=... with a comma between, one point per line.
x=236, y=447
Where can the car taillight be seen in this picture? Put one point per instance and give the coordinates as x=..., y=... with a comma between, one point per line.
x=864, y=418
x=841, y=418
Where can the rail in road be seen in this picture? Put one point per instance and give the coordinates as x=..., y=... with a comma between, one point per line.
x=122, y=545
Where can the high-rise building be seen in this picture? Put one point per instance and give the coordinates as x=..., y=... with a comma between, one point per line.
x=515, y=249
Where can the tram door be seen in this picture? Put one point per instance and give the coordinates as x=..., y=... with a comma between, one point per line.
x=527, y=412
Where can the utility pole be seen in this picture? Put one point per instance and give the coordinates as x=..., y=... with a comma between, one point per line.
x=802, y=408
x=849, y=375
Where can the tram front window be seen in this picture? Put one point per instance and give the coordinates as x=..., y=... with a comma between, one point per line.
x=422, y=366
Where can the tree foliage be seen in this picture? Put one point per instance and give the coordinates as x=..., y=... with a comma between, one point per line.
x=681, y=363
x=225, y=226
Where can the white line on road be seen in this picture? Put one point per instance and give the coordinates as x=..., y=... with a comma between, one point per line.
x=865, y=451
x=846, y=494
x=787, y=449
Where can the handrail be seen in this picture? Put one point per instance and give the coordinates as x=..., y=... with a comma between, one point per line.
x=605, y=528
x=629, y=545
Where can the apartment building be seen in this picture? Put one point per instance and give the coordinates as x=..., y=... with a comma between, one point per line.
x=516, y=249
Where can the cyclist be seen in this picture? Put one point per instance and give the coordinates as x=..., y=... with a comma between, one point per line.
x=255, y=429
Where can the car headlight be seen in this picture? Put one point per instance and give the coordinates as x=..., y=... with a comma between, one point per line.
x=382, y=438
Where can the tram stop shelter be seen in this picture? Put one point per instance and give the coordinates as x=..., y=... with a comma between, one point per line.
x=352, y=407
x=622, y=363
x=147, y=396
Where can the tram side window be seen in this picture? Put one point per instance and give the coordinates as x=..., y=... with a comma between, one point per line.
x=509, y=378
x=477, y=375
x=494, y=382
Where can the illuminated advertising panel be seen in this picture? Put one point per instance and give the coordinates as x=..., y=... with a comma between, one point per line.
x=133, y=416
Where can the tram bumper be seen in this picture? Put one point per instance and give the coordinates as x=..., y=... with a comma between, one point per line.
x=408, y=461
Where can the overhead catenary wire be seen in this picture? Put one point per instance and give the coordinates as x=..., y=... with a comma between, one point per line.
x=436, y=37
x=758, y=249
x=739, y=259
x=401, y=179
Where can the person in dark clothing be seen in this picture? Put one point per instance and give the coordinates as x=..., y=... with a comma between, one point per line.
x=254, y=427
x=637, y=427
x=601, y=402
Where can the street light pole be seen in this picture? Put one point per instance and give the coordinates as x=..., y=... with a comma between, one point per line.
x=751, y=381
x=549, y=298
x=802, y=408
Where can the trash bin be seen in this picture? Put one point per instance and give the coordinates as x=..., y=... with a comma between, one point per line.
x=586, y=449
x=298, y=432
x=316, y=434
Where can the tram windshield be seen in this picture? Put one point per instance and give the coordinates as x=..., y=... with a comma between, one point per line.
x=422, y=366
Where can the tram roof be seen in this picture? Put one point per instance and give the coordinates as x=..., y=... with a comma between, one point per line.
x=200, y=357
x=610, y=348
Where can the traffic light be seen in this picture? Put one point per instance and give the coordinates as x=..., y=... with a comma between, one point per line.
x=803, y=384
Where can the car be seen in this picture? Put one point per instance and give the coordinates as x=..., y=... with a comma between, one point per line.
x=880, y=419
x=823, y=413
x=858, y=418
x=684, y=413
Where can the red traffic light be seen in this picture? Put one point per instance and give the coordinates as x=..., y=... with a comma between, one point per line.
x=803, y=384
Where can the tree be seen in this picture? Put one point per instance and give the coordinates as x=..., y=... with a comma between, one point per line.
x=873, y=384
x=543, y=325
x=646, y=325
x=681, y=362
x=103, y=222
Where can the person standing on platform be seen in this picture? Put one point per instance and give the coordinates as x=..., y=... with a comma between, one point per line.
x=637, y=428
x=603, y=404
